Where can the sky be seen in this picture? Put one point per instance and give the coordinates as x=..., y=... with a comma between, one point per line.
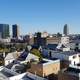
x=41, y=15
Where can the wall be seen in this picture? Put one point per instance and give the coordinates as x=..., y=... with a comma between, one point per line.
x=53, y=40
x=74, y=60
x=45, y=70
x=51, y=68
x=36, y=69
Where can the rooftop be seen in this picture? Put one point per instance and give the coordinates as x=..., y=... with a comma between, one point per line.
x=69, y=53
x=6, y=73
x=12, y=55
x=47, y=61
x=23, y=56
x=30, y=76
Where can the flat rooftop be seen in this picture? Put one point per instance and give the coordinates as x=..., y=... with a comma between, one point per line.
x=47, y=61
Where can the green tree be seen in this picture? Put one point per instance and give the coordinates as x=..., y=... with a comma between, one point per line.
x=37, y=53
x=59, y=35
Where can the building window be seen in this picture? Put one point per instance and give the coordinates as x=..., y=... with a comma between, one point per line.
x=79, y=55
x=8, y=62
x=74, y=57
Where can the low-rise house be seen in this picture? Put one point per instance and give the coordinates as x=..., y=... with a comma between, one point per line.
x=45, y=68
x=54, y=48
x=10, y=57
x=67, y=57
x=21, y=63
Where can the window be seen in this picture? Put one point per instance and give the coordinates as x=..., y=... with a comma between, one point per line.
x=74, y=57
x=79, y=55
x=8, y=62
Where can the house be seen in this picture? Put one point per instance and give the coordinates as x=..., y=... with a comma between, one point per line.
x=10, y=57
x=45, y=68
x=67, y=57
x=54, y=48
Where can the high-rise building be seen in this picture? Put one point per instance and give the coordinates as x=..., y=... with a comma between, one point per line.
x=15, y=30
x=38, y=40
x=4, y=31
x=66, y=30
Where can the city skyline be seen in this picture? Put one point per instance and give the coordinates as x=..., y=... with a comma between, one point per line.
x=41, y=15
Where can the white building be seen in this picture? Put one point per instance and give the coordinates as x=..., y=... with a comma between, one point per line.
x=64, y=40
x=11, y=57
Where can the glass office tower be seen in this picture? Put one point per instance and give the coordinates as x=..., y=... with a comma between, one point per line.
x=4, y=31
